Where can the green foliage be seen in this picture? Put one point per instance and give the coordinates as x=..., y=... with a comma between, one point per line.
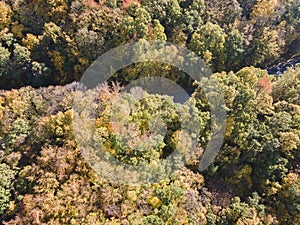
x=210, y=39
x=292, y=12
x=44, y=178
x=49, y=177
x=192, y=15
x=54, y=42
x=7, y=175
x=152, y=219
x=234, y=49
x=169, y=194
x=135, y=25
x=143, y=122
x=16, y=63
x=268, y=47
x=290, y=79
x=4, y=59
x=289, y=196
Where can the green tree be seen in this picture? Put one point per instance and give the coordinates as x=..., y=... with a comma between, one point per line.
x=17, y=67
x=234, y=49
x=7, y=177
x=268, y=47
x=4, y=60
x=289, y=195
x=136, y=24
x=192, y=12
x=291, y=79
x=210, y=38
x=159, y=31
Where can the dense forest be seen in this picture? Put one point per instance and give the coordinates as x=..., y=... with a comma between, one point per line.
x=47, y=45
x=54, y=42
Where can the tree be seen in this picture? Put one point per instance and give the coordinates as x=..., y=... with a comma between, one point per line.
x=223, y=13
x=58, y=51
x=266, y=48
x=17, y=66
x=263, y=9
x=192, y=12
x=58, y=10
x=136, y=23
x=291, y=79
x=288, y=194
x=32, y=15
x=234, y=49
x=4, y=60
x=210, y=38
x=158, y=31
x=7, y=177
x=5, y=17
x=247, y=6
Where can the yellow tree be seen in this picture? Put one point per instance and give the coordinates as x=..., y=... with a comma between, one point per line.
x=268, y=47
x=5, y=15
x=58, y=10
x=263, y=9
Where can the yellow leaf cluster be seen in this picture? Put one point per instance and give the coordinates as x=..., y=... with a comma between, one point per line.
x=264, y=8
x=30, y=41
x=57, y=60
x=5, y=15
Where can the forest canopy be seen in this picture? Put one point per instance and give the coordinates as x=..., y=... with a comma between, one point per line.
x=53, y=42
x=47, y=45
